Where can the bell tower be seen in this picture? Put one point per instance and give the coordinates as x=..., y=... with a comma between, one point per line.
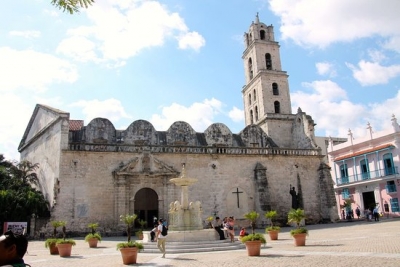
x=266, y=92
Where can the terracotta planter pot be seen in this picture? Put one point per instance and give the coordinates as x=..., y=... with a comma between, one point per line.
x=253, y=248
x=299, y=239
x=93, y=242
x=129, y=255
x=64, y=250
x=273, y=235
x=53, y=249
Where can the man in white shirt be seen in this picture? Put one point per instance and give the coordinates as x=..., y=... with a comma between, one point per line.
x=160, y=238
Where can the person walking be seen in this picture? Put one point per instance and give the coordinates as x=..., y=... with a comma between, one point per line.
x=160, y=237
x=12, y=249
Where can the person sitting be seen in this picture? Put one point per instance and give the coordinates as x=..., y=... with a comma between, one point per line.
x=153, y=233
x=243, y=232
x=12, y=249
x=217, y=226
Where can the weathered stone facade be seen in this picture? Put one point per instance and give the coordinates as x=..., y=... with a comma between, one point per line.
x=97, y=172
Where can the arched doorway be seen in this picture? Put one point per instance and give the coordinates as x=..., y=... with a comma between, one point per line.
x=146, y=205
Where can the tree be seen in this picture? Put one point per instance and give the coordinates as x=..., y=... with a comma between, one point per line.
x=71, y=5
x=18, y=198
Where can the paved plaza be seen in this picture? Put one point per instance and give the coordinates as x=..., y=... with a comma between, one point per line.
x=359, y=243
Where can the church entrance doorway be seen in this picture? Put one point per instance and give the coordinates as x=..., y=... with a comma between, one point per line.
x=146, y=206
x=369, y=200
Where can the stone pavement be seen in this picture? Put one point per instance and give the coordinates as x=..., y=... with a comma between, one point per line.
x=358, y=243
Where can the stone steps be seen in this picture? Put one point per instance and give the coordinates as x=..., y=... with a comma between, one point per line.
x=194, y=247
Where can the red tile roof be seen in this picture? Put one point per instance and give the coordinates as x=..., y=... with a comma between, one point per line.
x=363, y=152
x=75, y=125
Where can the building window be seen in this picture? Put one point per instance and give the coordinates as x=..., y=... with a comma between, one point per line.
x=344, y=175
x=251, y=117
x=262, y=34
x=345, y=193
x=277, y=107
x=394, y=204
x=390, y=187
x=249, y=99
x=256, y=113
x=254, y=94
x=388, y=163
x=250, y=66
x=364, y=169
x=268, y=61
x=275, y=90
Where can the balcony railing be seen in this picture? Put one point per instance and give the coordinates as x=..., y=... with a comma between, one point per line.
x=368, y=175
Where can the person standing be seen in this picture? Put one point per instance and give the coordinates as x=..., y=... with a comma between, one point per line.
x=160, y=237
x=376, y=214
x=358, y=212
x=12, y=249
x=217, y=226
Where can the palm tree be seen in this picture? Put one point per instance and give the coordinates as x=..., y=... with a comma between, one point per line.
x=71, y=5
x=252, y=216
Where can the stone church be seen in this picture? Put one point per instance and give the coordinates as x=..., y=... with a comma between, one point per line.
x=95, y=172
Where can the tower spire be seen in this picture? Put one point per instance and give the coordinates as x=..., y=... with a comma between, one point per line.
x=257, y=19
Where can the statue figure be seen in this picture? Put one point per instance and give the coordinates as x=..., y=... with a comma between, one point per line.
x=295, y=202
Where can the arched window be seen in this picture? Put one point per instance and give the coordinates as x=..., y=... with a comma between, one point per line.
x=249, y=99
x=251, y=117
x=256, y=113
x=277, y=107
x=268, y=61
x=275, y=90
x=262, y=34
x=250, y=66
x=254, y=94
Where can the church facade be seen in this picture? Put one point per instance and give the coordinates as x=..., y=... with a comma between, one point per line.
x=95, y=172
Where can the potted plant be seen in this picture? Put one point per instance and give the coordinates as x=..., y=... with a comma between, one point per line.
x=299, y=233
x=253, y=241
x=139, y=233
x=93, y=237
x=130, y=248
x=64, y=245
x=209, y=221
x=272, y=230
x=51, y=242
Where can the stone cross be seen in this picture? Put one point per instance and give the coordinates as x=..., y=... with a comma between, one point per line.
x=237, y=195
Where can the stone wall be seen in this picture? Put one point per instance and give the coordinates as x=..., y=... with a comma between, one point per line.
x=91, y=192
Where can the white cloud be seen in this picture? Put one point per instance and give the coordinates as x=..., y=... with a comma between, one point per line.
x=372, y=73
x=320, y=23
x=15, y=115
x=21, y=69
x=78, y=48
x=376, y=56
x=331, y=110
x=111, y=109
x=393, y=44
x=120, y=30
x=198, y=115
x=25, y=34
x=191, y=40
x=325, y=68
x=237, y=115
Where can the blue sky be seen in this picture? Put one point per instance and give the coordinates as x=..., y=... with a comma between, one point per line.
x=165, y=61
